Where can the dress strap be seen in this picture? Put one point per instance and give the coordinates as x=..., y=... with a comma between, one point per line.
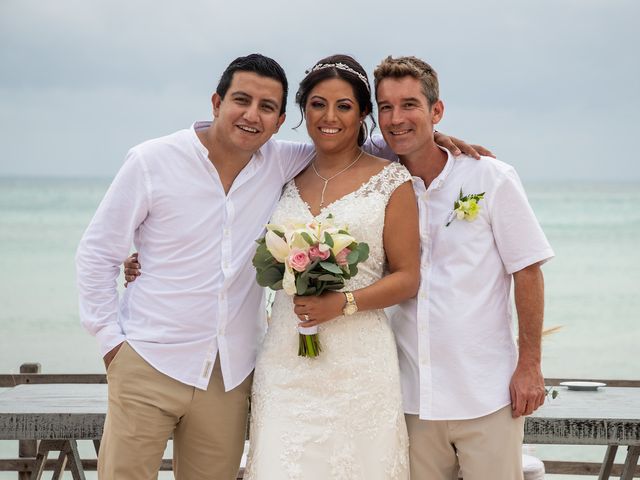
x=390, y=178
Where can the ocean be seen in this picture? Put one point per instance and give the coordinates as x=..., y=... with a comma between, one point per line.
x=592, y=286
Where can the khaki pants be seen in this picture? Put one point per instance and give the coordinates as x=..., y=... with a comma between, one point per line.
x=485, y=448
x=146, y=407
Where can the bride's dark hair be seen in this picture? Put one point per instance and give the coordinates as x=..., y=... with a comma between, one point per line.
x=354, y=74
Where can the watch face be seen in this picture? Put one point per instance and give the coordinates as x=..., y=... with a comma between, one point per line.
x=350, y=309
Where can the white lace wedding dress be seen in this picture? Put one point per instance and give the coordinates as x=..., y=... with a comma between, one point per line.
x=337, y=416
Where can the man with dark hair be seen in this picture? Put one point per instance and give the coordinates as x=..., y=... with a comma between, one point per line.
x=180, y=345
x=466, y=385
x=259, y=64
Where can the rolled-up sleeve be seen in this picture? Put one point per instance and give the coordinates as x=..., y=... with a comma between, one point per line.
x=105, y=245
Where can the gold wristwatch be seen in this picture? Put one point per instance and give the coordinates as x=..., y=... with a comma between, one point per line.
x=351, y=306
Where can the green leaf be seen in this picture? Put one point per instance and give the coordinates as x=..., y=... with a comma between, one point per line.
x=331, y=267
x=353, y=270
x=311, y=266
x=263, y=258
x=302, y=283
x=328, y=278
x=328, y=240
x=307, y=238
x=269, y=276
x=363, y=249
x=353, y=257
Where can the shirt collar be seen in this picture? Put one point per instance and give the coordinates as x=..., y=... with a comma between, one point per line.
x=439, y=181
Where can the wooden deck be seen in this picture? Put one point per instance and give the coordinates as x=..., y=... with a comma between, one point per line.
x=67, y=408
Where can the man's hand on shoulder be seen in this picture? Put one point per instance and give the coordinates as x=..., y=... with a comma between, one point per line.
x=527, y=389
x=457, y=146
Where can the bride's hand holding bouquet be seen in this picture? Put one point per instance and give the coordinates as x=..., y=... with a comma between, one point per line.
x=308, y=260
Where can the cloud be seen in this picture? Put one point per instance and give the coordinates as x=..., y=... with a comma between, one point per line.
x=551, y=83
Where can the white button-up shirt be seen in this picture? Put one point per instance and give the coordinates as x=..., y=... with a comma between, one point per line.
x=198, y=296
x=456, y=338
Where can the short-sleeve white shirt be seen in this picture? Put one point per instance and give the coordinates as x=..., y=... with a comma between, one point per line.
x=197, y=297
x=456, y=338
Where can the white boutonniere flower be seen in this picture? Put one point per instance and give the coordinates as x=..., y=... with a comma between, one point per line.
x=465, y=207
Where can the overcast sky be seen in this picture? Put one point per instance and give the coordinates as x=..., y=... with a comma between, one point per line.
x=552, y=86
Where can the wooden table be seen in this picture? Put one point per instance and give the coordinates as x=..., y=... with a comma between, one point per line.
x=609, y=416
x=59, y=415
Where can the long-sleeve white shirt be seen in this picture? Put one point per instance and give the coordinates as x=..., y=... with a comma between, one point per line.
x=198, y=297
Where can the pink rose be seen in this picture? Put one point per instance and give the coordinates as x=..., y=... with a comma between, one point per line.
x=341, y=257
x=315, y=253
x=298, y=259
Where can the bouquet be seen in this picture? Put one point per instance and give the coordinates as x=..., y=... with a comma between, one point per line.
x=307, y=259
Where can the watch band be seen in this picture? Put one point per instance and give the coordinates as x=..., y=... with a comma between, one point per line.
x=351, y=306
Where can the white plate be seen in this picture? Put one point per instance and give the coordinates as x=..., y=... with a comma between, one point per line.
x=584, y=386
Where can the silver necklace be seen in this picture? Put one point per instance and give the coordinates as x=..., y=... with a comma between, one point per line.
x=327, y=180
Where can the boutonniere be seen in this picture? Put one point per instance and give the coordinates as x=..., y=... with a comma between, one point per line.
x=465, y=207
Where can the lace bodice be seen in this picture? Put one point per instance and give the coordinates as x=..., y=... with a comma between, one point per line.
x=362, y=211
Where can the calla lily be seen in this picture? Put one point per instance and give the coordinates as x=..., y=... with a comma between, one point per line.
x=289, y=281
x=276, y=246
x=273, y=226
x=340, y=242
x=297, y=240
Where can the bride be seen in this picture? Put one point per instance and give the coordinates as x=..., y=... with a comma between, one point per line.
x=339, y=415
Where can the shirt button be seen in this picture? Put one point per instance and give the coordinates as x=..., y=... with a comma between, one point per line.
x=221, y=331
x=225, y=264
x=226, y=232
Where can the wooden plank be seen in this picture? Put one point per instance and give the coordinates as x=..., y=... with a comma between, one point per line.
x=61, y=464
x=607, y=463
x=630, y=463
x=556, y=467
x=581, y=431
x=90, y=465
x=560, y=467
x=608, y=416
x=13, y=380
x=75, y=464
x=28, y=448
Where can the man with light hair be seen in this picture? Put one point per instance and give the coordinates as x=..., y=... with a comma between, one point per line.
x=466, y=384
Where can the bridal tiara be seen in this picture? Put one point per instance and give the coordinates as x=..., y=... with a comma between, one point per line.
x=341, y=66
